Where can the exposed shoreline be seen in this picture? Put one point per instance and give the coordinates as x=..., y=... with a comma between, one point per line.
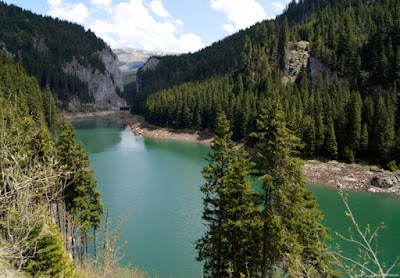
x=77, y=116
x=331, y=173
x=140, y=127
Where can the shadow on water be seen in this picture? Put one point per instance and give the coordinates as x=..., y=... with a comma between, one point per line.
x=99, y=133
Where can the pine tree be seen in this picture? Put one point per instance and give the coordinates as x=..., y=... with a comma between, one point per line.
x=354, y=120
x=80, y=196
x=50, y=109
x=283, y=44
x=242, y=224
x=397, y=67
x=212, y=247
x=331, y=148
x=364, y=140
x=320, y=132
x=309, y=137
x=383, y=133
x=232, y=241
x=290, y=215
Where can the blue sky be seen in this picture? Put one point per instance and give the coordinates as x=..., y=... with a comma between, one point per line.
x=167, y=25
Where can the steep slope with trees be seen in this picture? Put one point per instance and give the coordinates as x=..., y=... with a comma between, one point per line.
x=343, y=104
x=46, y=185
x=74, y=63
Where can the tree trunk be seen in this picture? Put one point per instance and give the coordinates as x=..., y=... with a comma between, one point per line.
x=266, y=247
x=86, y=245
x=82, y=246
x=94, y=244
x=105, y=247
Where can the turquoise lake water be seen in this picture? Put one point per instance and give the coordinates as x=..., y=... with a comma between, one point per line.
x=156, y=182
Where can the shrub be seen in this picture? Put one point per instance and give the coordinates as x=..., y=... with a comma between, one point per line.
x=51, y=258
x=391, y=166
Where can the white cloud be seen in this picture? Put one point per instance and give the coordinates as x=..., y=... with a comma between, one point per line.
x=133, y=25
x=229, y=28
x=157, y=7
x=101, y=2
x=71, y=12
x=242, y=13
x=276, y=7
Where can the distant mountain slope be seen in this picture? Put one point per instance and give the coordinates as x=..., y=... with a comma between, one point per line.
x=132, y=58
x=334, y=65
x=73, y=62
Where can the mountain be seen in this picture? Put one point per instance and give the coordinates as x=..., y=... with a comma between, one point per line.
x=81, y=69
x=334, y=65
x=132, y=58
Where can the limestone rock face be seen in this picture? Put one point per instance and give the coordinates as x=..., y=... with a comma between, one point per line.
x=296, y=59
x=151, y=64
x=103, y=86
x=318, y=68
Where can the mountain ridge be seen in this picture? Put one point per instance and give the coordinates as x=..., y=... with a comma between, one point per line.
x=343, y=89
x=47, y=47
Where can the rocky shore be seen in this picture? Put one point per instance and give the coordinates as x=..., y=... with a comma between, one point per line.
x=351, y=176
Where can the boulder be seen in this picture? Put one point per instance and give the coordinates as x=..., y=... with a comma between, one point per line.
x=386, y=181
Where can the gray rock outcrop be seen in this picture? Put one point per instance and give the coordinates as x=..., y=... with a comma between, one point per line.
x=150, y=64
x=103, y=86
x=296, y=59
x=386, y=181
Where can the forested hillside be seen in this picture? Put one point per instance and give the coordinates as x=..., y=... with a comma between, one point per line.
x=45, y=46
x=343, y=104
x=46, y=185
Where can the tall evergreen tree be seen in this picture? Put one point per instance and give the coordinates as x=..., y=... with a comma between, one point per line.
x=81, y=198
x=283, y=44
x=331, y=148
x=243, y=225
x=290, y=215
x=232, y=241
x=50, y=109
x=354, y=120
x=212, y=247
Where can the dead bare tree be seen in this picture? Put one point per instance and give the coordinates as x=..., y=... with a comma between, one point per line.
x=367, y=252
x=28, y=185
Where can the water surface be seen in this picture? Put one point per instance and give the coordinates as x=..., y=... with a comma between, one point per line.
x=157, y=183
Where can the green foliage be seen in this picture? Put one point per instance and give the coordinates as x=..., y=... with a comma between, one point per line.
x=80, y=195
x=33, y=176
x=232, y=241
x=50, y=257
x=331, y=148
x=292, y=222
x=348, y=155
x=358, y=43
x=43, y=45
x=391, y=166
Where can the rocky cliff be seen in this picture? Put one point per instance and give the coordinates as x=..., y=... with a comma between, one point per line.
x=103, y=86
x=150, y=64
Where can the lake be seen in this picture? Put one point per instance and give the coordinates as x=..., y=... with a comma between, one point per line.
x=156, y=182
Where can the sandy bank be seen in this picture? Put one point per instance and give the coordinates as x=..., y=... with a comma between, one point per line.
x=140, y=127
x=78, y=116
